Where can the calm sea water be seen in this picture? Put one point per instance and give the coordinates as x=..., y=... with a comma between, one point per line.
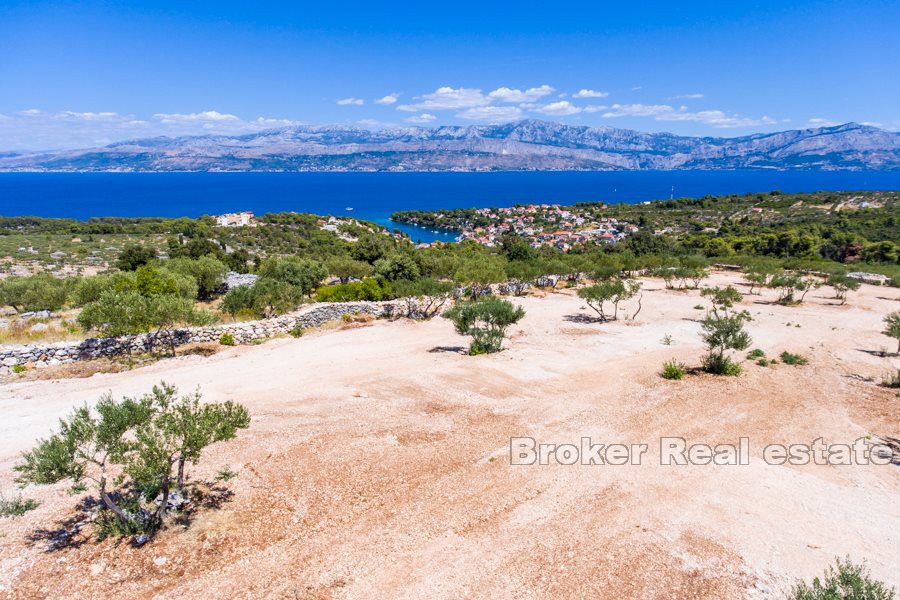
x=374, y=196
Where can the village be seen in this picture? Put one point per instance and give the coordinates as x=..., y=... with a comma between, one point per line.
x=541, y=224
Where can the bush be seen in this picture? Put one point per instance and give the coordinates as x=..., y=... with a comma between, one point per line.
x=719, y=364
x=843, y=581
x=297, y=330
x=793, y=359
x=673, y=369
x=18, y=368
x=16, y=506
x=755, y=353
x=226, y=339
x=486, y=320
x=368, y=289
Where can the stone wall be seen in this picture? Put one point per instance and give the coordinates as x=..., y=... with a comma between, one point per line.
x=43, y=355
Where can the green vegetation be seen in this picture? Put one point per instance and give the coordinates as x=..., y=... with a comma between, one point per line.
x=614, y=292
x=134, y=451
x=789, y=358
x=226, y=339
x=892, y=327
x=843, y=581
x=486, y=321
x=755, y=354
x=16, y=506
x=147, y=265
x=672, y=369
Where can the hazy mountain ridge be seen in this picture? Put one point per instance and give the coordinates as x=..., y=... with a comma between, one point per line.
x=523, y=145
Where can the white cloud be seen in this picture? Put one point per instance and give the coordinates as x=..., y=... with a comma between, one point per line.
x=696, y=96
x=820, y=122
x=351, y=101
x=561, y=108
x=448, y=98
x=637, y=87
x=389, y=99
x=31, y=112
x=664, y=112
x=421, y=119
x=491, y=114
x=505, y=94
x=210, y=116
x=590, y=94
x=872, y=124
x=592, y=108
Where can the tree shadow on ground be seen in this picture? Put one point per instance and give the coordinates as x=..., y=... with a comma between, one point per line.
x=67, y=532
x=450, y=349
x=584, y=318
x=894, y=445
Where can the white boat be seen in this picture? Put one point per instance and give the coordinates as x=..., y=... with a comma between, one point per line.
x=349, y=208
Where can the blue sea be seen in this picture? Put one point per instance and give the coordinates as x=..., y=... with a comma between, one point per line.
x=374, y=196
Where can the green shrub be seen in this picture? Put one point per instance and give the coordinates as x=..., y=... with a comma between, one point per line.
x=225, y=474
x=18, y=368
x=842, y=581
x=763, y=362
x=673, y=369
x=719, y=364
x=667, y=340
x=793, y=359
x=297, y=330
x=16, y=506
x=367, y=289
x=226, y=339
x=755, y=353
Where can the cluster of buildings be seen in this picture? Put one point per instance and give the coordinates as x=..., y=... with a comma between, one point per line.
x=545, y=225
x=239, y=219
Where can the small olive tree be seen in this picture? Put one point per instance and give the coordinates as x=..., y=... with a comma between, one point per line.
x=841, y=284
x=134, y=451
x=424, y=298
x=892, y=327
x=486, y=321
x=615, y=292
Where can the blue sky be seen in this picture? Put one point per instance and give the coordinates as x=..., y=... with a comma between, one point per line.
x=85, y=73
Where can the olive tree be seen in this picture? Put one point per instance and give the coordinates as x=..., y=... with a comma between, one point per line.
x=892, y=327
x=424, y=298
x=841, y=284
x=36, y=292
x=486, y=321
x=722, y=332
x=134, y=451
x=615, y=291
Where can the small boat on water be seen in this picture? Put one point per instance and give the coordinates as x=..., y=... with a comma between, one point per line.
x=348, y=208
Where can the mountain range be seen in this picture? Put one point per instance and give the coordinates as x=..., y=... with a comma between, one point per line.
x=528, y=145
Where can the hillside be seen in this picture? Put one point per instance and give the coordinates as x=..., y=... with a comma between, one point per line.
x=524, y=145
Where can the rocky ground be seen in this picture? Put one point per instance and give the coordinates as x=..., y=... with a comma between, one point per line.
x=377, y=464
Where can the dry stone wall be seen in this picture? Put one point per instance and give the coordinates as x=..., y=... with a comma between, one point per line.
x=44, y=355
